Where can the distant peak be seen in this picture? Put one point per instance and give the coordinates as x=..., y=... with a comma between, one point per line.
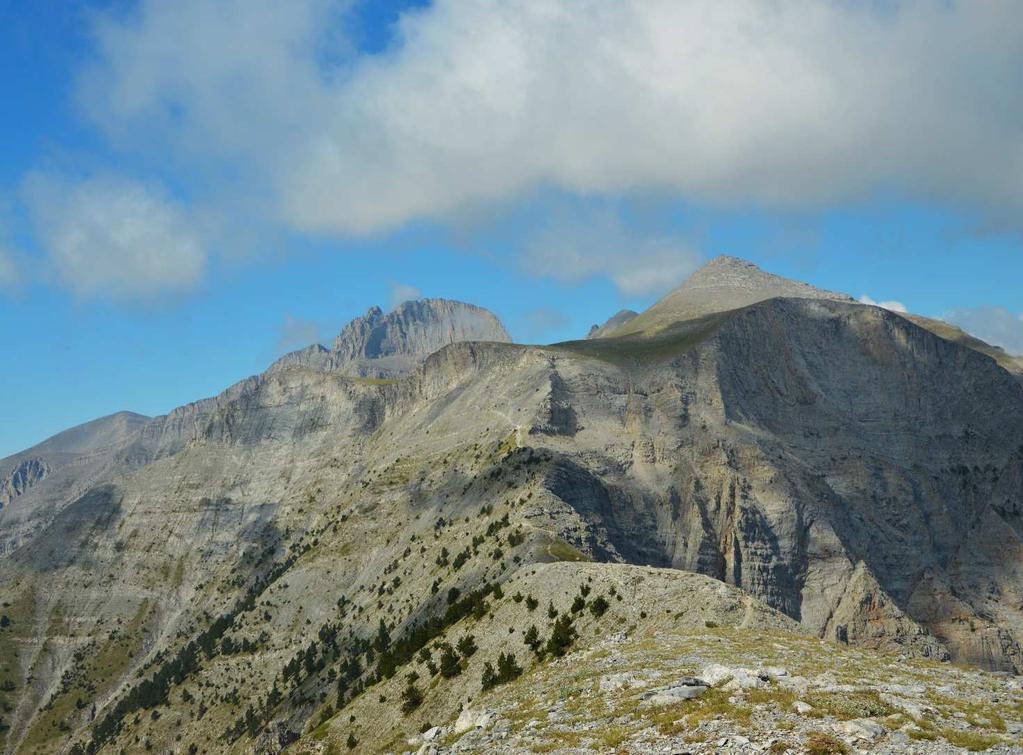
x=389, y=343
x=619, y=319
x=724, y=283
x=724, y=261
x=731, y=270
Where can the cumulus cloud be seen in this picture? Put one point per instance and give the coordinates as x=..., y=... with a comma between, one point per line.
x=996, y=325
x=894, y=306
x=576, y=247
x=786, y=104
x=112, y=236
x=403, y=292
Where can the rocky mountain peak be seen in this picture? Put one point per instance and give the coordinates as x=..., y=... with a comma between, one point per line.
x=723, y=284
x=731, y=278
x=416, y=328
x=382, y=344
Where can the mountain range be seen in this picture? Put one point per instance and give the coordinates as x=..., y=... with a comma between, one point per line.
x=279, y=565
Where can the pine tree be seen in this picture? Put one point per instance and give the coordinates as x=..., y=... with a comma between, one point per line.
x=507, y=668
x=383, y=638
x=449, y=665
x=489, y=678
x=411, y=696
x=532, y=638
x=562, y=636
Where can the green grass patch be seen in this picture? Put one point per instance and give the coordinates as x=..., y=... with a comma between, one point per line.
x=557, y=549
x=847, y=705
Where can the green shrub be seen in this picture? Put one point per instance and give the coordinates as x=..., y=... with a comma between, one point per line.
x=411, y=696
x=507, y=670
x=449, y=664
x=562, y=636
x=819, y=743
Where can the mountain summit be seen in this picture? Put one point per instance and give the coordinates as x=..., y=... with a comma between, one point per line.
x=383, y=345
x=723, y=284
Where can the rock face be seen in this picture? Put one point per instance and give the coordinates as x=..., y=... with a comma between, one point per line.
x=384, y=345
x=831, y=468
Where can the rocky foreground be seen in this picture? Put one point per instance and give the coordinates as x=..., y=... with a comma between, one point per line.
x=675, y=664
x=721, y=690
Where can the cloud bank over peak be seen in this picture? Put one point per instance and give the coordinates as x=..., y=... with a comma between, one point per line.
x=784, y=104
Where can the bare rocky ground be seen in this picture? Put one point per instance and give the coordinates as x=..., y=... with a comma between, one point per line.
x=680, y=664
x=773, y=692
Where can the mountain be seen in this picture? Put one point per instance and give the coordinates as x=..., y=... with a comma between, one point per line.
x=86, y=444
x=615, y=321
x=327, y=555
x=50, y=476
x=65, y=466
x=382, y=345
x=723, y=284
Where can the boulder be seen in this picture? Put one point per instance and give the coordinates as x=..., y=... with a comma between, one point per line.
x=472, y=719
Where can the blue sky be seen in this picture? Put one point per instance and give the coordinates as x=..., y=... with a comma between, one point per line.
x=188, y=189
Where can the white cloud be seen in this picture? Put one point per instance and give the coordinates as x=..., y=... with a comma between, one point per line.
x=788, y=104
x=894, y=306
x=996, y=325
x=112, y=236
x=576, y=247
x=403, y=292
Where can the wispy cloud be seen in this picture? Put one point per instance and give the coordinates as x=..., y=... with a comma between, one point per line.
x=894, y=306
x=403, y=292
x=996, y=325
x=297, y=333
x=577, y=246
x=111, y=236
